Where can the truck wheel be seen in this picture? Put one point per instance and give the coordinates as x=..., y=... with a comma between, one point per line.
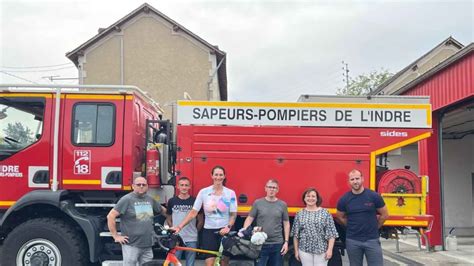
x=44, y=241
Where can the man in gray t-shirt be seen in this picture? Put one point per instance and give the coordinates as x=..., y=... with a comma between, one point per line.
x=136, y=211
x=271, y=214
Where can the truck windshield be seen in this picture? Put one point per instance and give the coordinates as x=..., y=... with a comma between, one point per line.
x=21, y=123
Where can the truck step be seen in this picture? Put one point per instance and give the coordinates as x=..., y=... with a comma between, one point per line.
x=155, y=262
x=112, y=263
x=107, y=234
x=159, y=262
x=95, y=205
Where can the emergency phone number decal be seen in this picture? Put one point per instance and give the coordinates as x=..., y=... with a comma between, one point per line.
x=302, y=114
x=82, y=162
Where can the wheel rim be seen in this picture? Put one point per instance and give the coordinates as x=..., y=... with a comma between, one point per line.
x=39, y=252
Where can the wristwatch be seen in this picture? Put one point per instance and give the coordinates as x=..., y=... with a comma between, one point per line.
x=229, y=226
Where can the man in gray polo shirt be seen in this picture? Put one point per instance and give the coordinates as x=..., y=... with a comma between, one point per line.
x=271, y=214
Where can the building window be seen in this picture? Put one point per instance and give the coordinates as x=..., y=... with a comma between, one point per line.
x=93, y=124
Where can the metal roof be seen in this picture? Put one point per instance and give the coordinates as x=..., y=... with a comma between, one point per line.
x=450, y=40
x=395, y=99
x=80, y=89
x=450, y=82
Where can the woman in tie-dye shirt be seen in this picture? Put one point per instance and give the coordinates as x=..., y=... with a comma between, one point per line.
x=220, y=210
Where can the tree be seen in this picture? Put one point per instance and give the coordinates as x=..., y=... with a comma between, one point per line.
x=19, y=132
x=365, y=83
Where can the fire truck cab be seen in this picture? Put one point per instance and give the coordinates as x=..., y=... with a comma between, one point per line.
x=67, y=154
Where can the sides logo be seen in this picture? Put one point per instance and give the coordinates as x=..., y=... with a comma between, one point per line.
x=393, y=133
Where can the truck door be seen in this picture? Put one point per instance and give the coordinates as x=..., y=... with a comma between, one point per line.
x=24, y=144
x=92, y=142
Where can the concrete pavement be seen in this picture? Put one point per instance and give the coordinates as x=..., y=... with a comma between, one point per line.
x=409, y=254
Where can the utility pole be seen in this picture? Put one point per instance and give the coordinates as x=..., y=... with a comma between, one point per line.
x=345, y=74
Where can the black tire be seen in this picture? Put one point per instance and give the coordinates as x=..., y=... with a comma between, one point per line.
x=45, y=239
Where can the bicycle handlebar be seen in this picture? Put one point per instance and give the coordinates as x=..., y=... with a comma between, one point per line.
x=163, y=234
x=230, y=234
x=159, y=242
x=167, y=233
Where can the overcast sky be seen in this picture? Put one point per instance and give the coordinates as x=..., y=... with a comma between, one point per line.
x=276, y=50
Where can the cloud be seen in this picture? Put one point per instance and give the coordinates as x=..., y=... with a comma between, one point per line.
x=276, y=50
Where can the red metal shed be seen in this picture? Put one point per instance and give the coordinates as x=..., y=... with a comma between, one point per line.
x=450, y=86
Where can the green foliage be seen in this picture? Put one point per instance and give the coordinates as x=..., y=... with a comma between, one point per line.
x=19, y=132
x=365, y=83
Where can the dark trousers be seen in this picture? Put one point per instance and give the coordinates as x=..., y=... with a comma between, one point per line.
x=370, y=248
x=270, y=255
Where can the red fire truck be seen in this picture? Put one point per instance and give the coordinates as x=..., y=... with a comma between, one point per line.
x=68, y=153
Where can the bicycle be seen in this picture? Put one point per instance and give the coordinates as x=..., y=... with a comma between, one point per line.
x=172, y=244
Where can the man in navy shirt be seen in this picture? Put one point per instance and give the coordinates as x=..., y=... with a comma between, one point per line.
x=363, y=212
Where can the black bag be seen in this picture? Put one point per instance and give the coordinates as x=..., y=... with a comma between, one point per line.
x=237, y=246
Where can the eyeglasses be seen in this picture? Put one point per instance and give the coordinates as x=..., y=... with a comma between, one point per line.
x=272, y=187
x=141, y=185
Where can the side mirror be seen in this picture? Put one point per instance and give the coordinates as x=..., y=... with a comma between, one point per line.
x=3, y=113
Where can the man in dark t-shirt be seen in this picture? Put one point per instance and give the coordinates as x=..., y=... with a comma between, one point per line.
x=178, y=208
x=363, y=212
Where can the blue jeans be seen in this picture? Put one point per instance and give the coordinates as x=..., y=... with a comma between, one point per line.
x=270, y=255
x=371, y=248
x=190, y=255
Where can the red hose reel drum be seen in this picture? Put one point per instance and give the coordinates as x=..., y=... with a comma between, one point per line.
x=399, y=181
